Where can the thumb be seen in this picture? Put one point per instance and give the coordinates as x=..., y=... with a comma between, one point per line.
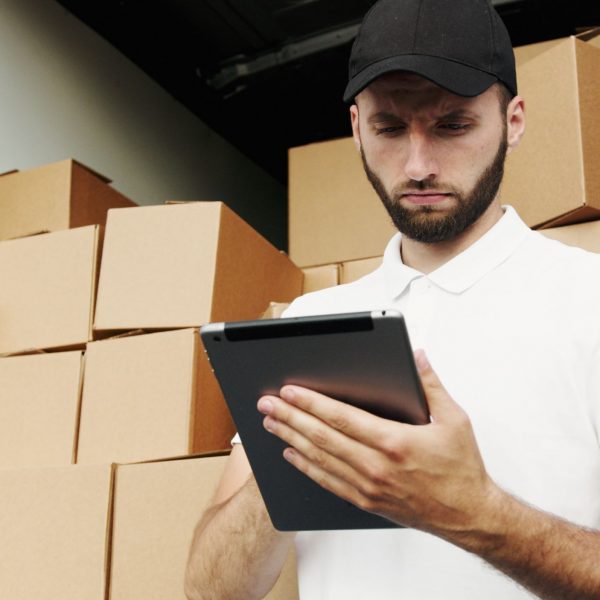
x=441, y=405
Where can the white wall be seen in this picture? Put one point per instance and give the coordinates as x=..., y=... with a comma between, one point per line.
x=65, y=92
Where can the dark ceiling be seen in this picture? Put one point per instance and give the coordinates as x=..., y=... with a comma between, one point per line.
x=269, y=74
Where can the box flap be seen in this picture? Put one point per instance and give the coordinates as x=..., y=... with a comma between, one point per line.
x=179, y=457
x=580, y=214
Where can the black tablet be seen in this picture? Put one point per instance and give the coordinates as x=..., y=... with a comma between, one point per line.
x=363, y=358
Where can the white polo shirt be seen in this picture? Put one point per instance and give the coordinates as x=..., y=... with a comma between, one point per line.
x=512, y=327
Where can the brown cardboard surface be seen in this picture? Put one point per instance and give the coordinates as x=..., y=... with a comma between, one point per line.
x=355, y=269
x=583, y=235
x=554, y=175
x=157, y=506
x=39, y=409
x=530, y=51
x=321, y=277
x=48, y=288
x=334, y=214
x=52, y=197
x=184, y=265
x=149, y=397
x=55, y=525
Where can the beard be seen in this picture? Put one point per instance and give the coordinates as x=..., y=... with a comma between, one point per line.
x=423, y=223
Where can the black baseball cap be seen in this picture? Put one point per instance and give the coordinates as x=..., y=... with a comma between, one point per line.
x=460, y=45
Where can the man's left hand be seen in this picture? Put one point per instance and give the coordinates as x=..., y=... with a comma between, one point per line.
x=429, y=477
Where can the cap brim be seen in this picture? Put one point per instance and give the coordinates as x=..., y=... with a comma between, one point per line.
x=455, y=77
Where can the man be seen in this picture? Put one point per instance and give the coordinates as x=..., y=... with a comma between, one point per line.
x=508, y=470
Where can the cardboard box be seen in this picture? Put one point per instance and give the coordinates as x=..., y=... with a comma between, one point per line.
x=39, y=409
x=55, y=527
x=553, y=178
x=583, y=235
x=319, y=278
x=149, y=397
x=355, y=269
x=157, y=507
x=185, y=265
x=47, y=291
x=334, y=214
x=57, y=196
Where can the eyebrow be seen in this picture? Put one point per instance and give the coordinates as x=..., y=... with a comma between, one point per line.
x=383, y=116
x=459, y=113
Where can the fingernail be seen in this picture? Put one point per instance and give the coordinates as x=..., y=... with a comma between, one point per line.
x=421, y=360
x=265, y=406
x=288, y=393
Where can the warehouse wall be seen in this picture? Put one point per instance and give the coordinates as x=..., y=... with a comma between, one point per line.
x=65, y=92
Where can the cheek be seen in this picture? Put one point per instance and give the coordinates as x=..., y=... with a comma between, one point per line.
x=465, y=161
x=384, y=155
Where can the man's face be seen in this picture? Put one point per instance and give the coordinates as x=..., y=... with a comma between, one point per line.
x=436, y=160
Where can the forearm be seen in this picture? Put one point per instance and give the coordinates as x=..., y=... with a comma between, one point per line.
x=553, y=558
x=236, y=553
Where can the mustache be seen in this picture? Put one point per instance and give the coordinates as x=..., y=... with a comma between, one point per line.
x=425, y=185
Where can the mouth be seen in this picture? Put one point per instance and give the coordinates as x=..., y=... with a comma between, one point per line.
x=425, y=198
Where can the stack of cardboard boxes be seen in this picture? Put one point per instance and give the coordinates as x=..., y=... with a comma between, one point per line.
x=113, y=429
x=338, y=226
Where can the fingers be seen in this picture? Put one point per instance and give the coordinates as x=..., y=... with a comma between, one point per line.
x=352, y=421
x=325, y=446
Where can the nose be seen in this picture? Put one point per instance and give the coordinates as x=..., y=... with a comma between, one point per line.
x=420, y=162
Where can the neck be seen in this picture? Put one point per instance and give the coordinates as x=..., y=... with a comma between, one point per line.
x=429, y=257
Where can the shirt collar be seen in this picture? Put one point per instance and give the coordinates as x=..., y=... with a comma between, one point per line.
x=465, y=269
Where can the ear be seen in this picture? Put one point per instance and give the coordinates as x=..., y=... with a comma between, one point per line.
x=355, y=126
x=515, y=121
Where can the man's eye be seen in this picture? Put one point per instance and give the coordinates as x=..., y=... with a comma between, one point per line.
x=455, y=126
x=388, y=130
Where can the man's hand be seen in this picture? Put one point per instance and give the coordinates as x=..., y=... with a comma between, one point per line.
x=430, y=477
